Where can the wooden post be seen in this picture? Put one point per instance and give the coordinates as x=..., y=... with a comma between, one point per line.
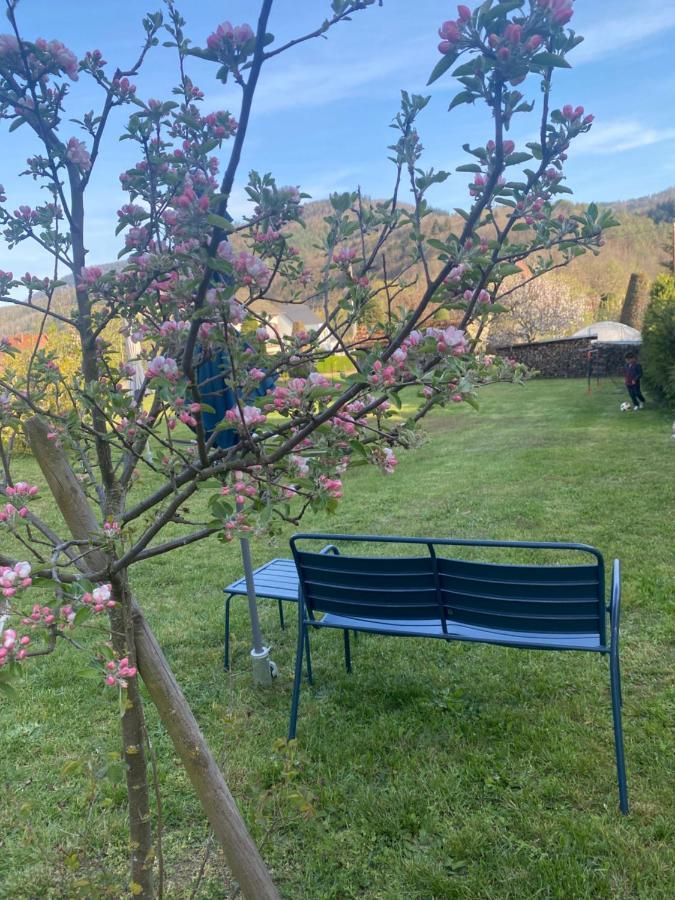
x=241, y=853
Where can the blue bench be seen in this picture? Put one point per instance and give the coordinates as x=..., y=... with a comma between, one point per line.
x=429, y=595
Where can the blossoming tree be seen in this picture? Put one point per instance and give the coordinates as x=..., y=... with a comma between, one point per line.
x=188, y=292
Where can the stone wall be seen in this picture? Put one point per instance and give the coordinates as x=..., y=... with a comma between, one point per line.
x=568, y=357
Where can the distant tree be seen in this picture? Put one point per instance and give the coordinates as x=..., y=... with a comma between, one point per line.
x=536, y=310
x=637, y=298
x=658, y=338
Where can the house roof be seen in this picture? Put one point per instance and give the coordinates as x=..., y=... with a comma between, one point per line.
x=301, y=313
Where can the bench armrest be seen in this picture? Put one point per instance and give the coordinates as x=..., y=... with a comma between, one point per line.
x=615, y=607
x=330, y=548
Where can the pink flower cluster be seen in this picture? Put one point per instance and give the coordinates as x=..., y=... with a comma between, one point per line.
x=65, y=59
x=88, y=275
x=124, y=88
x=250, y=416
x=8, y=512
x=332, y=486
x=8, y=45
x=386, y=459
x=483, y=296
x=163, y=367
x=451, y=31
x=14, y=578
x=251, y=267
x=13, y=646
x=118, y=672
x=561, y=11
x=344, y=255
x=296, y=391
x=22, y=489
x=78, y=154
x=574, y=114
x=227, y=35
x=100, y=598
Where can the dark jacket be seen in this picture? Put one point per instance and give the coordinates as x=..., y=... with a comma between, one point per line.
x=632, y=373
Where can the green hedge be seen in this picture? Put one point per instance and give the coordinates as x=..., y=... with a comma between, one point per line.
x=658, y=339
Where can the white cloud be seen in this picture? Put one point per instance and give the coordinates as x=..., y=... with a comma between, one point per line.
x=328, y=79
x=619, y=136
x=617, y=32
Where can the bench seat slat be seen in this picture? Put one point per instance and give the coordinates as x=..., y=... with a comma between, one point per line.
x=423, y=628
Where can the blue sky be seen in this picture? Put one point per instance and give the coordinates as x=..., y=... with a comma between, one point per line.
x=320, y=119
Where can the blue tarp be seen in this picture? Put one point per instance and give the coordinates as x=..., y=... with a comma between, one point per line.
x=212, y=373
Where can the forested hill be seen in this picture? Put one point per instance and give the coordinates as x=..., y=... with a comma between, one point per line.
x=640, y=244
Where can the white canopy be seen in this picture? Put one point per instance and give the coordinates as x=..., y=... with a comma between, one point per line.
x=610, y=333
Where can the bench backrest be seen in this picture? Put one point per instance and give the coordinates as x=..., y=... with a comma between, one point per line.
x=433, y=586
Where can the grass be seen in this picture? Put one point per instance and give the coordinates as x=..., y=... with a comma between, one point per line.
x=431, y=771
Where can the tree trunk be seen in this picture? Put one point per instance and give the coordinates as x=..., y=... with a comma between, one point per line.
x=141, y=845
x=82, y=523
x=230, y=829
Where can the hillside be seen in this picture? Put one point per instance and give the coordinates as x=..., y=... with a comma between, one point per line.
x=639, y=244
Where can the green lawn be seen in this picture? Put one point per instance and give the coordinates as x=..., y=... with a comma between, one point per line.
x=432, y=771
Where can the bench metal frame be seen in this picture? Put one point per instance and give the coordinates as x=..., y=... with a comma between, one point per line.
x=325, y=587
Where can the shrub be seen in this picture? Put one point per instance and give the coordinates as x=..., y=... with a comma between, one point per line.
x=658, y=339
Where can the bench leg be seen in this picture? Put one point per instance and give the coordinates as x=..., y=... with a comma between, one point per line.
x=348, y=655
x=615, y=683
x=310, y=678
x=226, y=651
x=281, y=614
x=303, y=643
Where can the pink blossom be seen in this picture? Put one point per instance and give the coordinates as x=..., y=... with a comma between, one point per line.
x=64, y=58
x=8, y=45
x=513, y=32
x=22, y=489
x=333, y=486
x=88, y=276
x=449, y=31
x=249, y=415
x=77, y=153
x=300, y=463
x=344, y=255
x=464, y=13
x=163, y=367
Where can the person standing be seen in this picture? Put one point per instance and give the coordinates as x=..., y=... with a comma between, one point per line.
x=632, y=375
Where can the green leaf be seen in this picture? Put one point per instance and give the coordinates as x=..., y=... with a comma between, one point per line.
x=438, y=245
x=469, y=167
x=465, y=69
x=82, y=615
x=358, y=447
x=515, y=158
x=219, y=222
x=462, y=97
x=546, y=60
x=442, y=66
x=89, y=673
